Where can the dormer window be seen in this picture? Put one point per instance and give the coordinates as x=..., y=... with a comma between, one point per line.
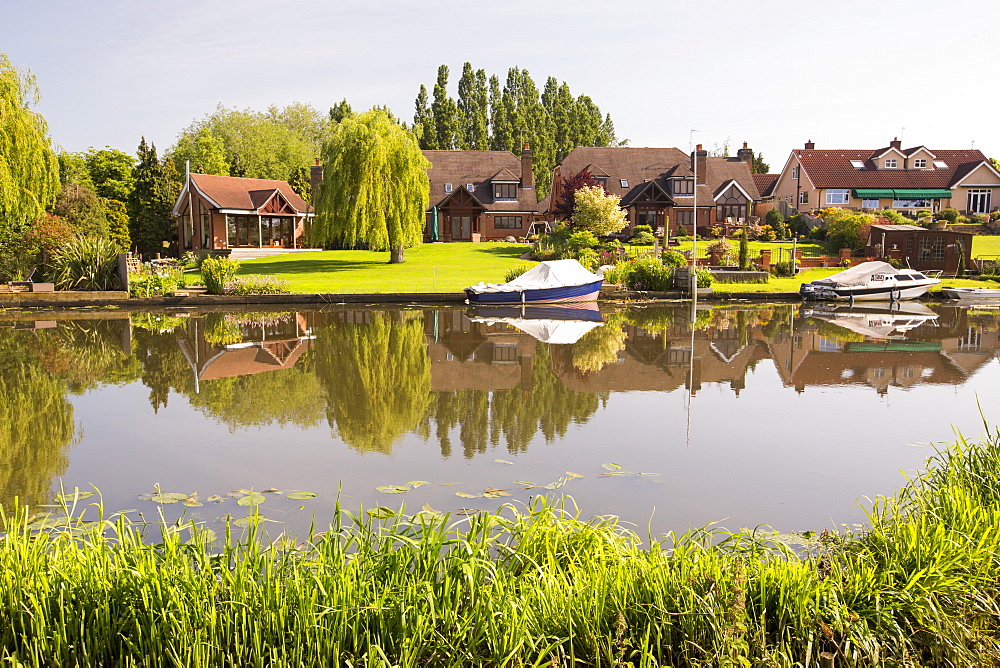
x=624, y=183
x=858, y=164
x=890, y=163
x=682, y=186
x=504, y=191
x=470, y=186
x=920, y=163
x=602, y=181
x=447, y=187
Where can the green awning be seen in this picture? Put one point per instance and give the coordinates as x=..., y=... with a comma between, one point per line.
x=922, y=193
x=902, y=193
x=869, y=193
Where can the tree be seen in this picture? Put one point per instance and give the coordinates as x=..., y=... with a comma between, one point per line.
x=566, y=206
x=203, y=150
x=376, y=190
x=111, y=172
x=473, y=109
x=847, y=229
x=598, y=211
x=29, y=171
x=445, y=112
x=84, y=210
x=423, y=121
x=759, y=166
x=776, y=220
x=151, y=201
x=340, y=111
x=116, y=214
x=744, y=250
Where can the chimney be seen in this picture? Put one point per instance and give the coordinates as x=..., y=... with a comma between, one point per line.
x=315, y=178
x=896, y=144
x=810, y=145
x=699, y=160
x=745, y=154
x=527, y=158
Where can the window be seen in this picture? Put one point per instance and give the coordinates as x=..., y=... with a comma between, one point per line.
x=504, y=352
x=911, y=204
x=804, y=197
x=649, y=217
x=795, y=172
x=504, y=191
x=920, y=163
x=869, y=204
x=206, y=230
x=932, y=250
x=940, y=164
x=838, y=196
x=602, y=181
x=682, y=186
x=470, y=186
x=890, y=163
x=858, y=164
x=624, y=183
x=684, y=219
x=507, y=222
x=979, y=201
x=447, y=187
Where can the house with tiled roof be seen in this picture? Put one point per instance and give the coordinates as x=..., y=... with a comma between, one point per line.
x=657, y=185
x=480, y=195
x=221, y=212
x=765, y=185
x=906, y=180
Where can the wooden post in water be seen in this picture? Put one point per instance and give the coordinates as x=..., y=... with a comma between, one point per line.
x=826, y=660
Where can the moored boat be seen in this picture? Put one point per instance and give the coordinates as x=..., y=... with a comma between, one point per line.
x=563, y=324
x=870, y=281
x=970, y=293
x=548, y=282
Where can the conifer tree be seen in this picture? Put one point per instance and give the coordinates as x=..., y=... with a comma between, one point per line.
x=340, y=111
x=151, y=202
x=473, y=118
x=445, y=111
x=500, y=124
x=423, y=121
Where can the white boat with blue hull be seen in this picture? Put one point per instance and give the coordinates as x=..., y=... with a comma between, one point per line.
x=870, y=282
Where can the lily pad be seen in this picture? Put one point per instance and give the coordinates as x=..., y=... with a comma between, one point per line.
x=215, y=498
x=612, y=467
x=248, y=520
x=494, y=493
x=468, y=496
x=469, y=511
x=192, y=501
x=168, y=497
x=301, y=496
x=381, y=512
x=75, y=495
x=417, y=483
x=251, y=500
x=392, y=489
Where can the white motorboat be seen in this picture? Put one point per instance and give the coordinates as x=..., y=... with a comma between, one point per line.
x=870, y=281
x=971, y=293
x=876, y=321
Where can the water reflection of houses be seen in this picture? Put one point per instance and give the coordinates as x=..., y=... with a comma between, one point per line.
x=227, y=345
x=468, y=355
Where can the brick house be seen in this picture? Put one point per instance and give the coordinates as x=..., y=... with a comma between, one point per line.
x=220, y=212
x=657, y=187
x=480, y=195
x=906, y=180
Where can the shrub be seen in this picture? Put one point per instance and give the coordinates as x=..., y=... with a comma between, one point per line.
x=152, y=285
x=922, y=213
x=86, y=263
x=643, y=239
x=777, y=222
x=704, y=277
x=978, y=218
x=639, y=229
x=672, y=258
x=645, y=274
x=253, y=284
x=786, y=268
x=961, y=220
x=514, y=272
x=217, y=272
x=722, y=248
x=681, y=231
x=580, y=239
x=892, y=217
x=948, y=214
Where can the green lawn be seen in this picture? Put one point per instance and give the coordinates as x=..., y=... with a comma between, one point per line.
x=428, y=268
x=809, y=248
x=985, y=245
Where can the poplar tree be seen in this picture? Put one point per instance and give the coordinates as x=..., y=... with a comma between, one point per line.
x=500, y=124
x=150, y=203
x=376, y=189
x=29, y=170
x=445, y=111
x=423, y=121
x=473, y=115
x=342, y=110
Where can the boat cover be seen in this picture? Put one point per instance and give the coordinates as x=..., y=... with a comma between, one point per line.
x=548, y=331
x=549, y=274
x=858, y=275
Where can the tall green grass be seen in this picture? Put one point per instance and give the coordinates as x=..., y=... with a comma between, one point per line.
x=530, y=587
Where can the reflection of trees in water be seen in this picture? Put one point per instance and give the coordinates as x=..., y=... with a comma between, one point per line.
x=36, y=419
x=287, y=396
x=377, y=377
x=515, y=416
x=88, y=353
x=163, y=365
x=600, y=346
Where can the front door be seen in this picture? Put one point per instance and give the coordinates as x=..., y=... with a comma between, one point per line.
x=461, y=228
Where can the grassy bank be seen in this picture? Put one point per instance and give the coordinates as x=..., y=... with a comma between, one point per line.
x=428, y=268
x=522, y=588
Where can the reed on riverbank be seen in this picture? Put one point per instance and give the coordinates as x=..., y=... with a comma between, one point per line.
x=534, y=587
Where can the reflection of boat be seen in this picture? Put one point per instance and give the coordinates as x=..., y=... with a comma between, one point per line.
x=546, y=282
x=876, y=321
x=971, y=293
x=548, y=324
x=870, y=281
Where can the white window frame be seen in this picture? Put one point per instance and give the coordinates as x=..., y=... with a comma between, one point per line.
x=890, y=163
x=870, y=203
x=838, y=196
x=448, y=187
x=795, y=172
x=912, y=203
x=858, y=164
x=804, y=197
x=920, y=163
x=980, y=196
x=624, y=182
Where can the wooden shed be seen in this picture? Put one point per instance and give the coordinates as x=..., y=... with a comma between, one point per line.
x=921, y=248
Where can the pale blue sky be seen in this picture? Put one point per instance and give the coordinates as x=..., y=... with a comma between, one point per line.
x=774, y=73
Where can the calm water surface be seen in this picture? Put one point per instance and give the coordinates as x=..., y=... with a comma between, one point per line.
x=783, y=415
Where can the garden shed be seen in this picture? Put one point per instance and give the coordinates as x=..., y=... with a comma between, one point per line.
x=920, y=247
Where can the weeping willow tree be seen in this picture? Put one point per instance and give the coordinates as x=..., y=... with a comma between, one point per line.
x=29, y=171
x=375, y=190
x=36, y=421
x=377, y=377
